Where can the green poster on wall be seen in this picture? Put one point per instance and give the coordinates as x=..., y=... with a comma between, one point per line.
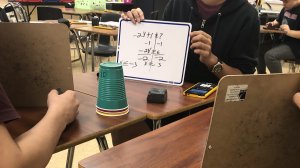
x=118, y=1
x=90, y=4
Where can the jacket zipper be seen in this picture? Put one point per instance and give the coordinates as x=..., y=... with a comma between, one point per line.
x=203, y=23
x=217, y=25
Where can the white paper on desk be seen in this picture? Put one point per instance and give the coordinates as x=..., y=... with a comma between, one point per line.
x=269, y=11
x=110, y=23
x=44, y=21
x=85, y=21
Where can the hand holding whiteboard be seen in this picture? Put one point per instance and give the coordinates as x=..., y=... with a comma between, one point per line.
x=154, y=51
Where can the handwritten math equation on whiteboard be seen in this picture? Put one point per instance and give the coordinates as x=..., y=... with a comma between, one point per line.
x=150, y=53
x=153, y=51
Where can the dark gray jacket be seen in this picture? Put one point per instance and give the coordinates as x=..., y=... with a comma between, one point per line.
x=292, y=17
x=235, y=32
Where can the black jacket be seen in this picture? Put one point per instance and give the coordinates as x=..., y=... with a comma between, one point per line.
x=293, y=19
x=235, y=33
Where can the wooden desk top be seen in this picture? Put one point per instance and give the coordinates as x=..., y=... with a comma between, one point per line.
x=91, y=29
x=137, y=91
x=106, y=11
x=179, y=144
x=88, y=125
x=75, y=26
x=72, y=26
x=262, y=30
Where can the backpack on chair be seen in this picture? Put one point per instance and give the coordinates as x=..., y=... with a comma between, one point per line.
x=3, y=16
x=15, y=12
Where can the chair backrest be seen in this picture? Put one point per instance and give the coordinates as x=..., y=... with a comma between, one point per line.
x=254, y=123
x=3, y=16
x=29, y=54
x=49, y=13
x=15, y=12
x=105, y=18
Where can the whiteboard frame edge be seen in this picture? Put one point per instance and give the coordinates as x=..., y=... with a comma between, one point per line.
x=180, y=83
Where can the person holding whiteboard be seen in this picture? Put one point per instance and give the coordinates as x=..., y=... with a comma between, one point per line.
x=224, y=38
x=224, y=41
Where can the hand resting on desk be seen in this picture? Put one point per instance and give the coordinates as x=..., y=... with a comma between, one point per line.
x=34, y=147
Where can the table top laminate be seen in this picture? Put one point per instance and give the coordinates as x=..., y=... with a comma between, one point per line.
x=87, y=126
x=179, y=144
x=137, y=91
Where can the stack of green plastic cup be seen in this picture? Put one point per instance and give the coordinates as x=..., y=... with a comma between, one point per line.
x=111, y=99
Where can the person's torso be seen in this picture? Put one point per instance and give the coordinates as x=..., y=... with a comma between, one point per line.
x=292, y=18
x=224, y=26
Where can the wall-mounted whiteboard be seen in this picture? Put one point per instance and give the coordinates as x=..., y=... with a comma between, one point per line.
x=154, y=51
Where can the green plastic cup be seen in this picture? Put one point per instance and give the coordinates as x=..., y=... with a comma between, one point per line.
x=111, y=88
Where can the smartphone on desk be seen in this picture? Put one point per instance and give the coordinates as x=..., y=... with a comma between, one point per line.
x=201, y=90
x=271, y=28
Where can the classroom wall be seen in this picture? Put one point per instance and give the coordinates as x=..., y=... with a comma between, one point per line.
x=275, y=6
x=3, y=2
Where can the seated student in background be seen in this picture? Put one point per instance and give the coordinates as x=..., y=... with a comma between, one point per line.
x=296, y=99
x=35, y=147
x=224, y=37
x=288, y=21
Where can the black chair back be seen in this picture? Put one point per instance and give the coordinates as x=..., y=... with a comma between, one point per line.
x=49, y=13
x=105, y=18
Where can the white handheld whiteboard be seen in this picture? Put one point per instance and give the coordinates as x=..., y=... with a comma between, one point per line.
x=154, y=51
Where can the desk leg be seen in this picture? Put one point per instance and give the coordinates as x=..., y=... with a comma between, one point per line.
x=102, y=143
x=79, y=39
x=78, y=50
x=92, y=52
x=86, y=54
x=70, y=157
x=31, y=11
x=156, y=124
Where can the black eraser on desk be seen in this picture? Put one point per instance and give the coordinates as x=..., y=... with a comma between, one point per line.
x=157, y=95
